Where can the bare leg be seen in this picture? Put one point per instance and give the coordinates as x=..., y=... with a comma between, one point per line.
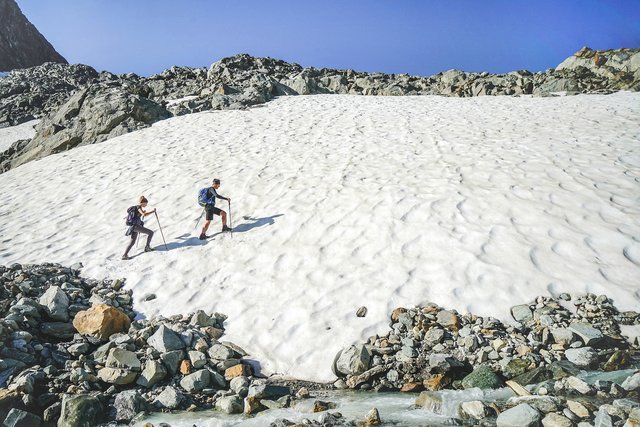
x=205, y=227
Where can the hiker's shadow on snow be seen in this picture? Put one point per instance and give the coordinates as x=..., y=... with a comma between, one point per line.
x=183, y=241
x=187, y=239
x=255, y=223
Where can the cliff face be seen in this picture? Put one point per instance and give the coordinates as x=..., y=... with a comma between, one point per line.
x=21, y=44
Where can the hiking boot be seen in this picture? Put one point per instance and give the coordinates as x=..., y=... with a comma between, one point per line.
x=149, y=249
x=126, y=257
x=202, y=236
x=225, y=228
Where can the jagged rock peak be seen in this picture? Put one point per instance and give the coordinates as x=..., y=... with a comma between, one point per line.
x=21, y=44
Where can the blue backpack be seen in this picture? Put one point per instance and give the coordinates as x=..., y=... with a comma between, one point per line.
x=202, y=196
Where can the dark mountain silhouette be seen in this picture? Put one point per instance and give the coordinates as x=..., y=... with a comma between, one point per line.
x=21, y=44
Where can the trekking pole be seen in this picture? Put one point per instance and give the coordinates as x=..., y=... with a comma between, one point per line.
x=199, y=218
x=230, y=224
x=160, y=227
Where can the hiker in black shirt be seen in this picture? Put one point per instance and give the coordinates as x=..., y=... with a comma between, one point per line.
x=137, y=226
x=208, y=200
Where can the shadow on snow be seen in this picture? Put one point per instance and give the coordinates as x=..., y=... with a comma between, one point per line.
x=187, y=239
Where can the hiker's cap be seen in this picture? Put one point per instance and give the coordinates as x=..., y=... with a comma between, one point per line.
x=216, y=181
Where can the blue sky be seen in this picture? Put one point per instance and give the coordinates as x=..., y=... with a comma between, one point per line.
x=394, y=36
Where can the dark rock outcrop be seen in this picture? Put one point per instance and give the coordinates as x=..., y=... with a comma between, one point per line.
x=91, y=115
x=35, y=92
x=21, y=44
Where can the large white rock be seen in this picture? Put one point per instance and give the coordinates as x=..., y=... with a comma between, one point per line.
x=522, y=415
x=55, y=303
x=170, y=398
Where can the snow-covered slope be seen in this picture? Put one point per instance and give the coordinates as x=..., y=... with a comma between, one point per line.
x=476, y=204
x=14, y=133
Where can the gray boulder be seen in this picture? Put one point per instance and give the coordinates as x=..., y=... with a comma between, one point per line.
x=589, y=335
x=448, y=319
x=475, y=409
x=632, y=382
x=268, y=391
x=120, y=358
x=198, y=359
x=556, y=420
x=202, y=319
x=128, y=404
x=80, y=411
x=101, y=353
x=165, y=340
x=583, y=356
x=230, y=404
x=18, y=418
x=152, y=373
x=434, y=336
x=562, y=336
x=196, y=381
x=172, y=360
x=55, y=303
x=117, y=376
x=170, y=398
x=602, y=419
x=353, y=360
x=217, y=380
x=522, y=415
x=240, y=385
x=544, y=404
x=579, y=385
x=220, y=352
x=78, y=349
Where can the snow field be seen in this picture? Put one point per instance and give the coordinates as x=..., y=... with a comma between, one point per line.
x=475, y=204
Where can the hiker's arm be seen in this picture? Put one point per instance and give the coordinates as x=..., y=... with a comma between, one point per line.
x=143, y=213
x=223, y=198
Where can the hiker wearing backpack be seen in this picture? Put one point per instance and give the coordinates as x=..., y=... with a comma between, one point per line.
x=207, y=199
x=136, y=225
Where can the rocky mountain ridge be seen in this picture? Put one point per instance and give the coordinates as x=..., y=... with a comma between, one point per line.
x=21, y=44
x=79, y=106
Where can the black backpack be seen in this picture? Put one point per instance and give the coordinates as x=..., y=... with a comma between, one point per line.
x=133, y=216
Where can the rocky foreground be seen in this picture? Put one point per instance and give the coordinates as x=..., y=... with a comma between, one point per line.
x=72, y=354
x=430, y=349
x=77, y=105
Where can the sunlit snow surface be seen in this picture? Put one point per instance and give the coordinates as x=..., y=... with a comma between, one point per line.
x=9, y=135
x=475, y=204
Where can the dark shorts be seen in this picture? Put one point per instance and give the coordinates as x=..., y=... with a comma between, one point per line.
x=211, y=210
